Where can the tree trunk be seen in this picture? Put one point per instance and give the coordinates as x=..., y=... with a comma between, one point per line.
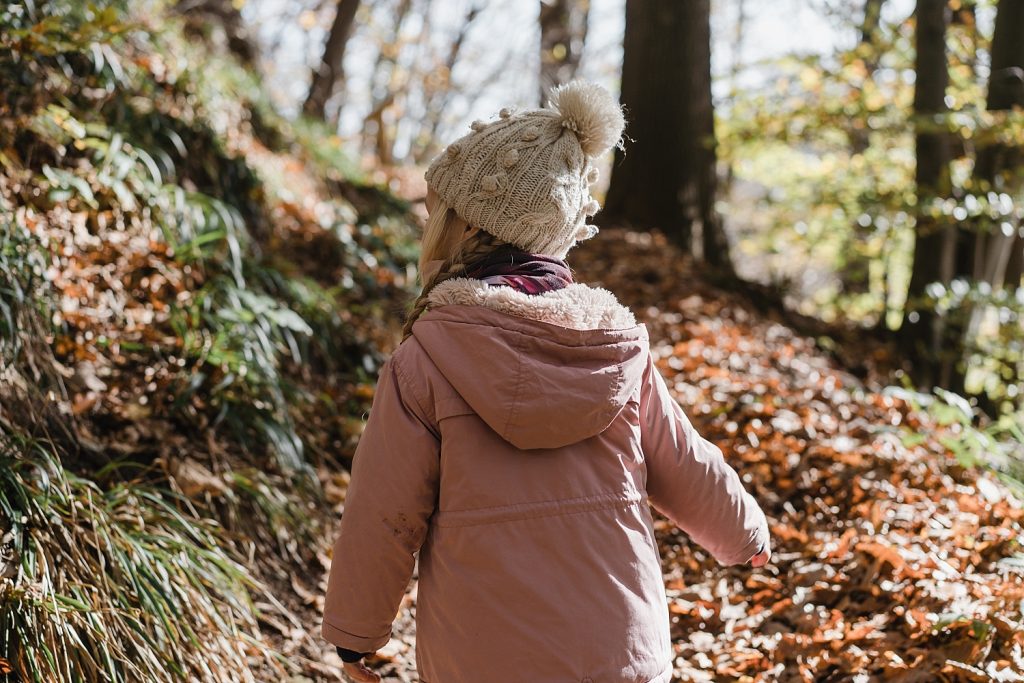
x=563, y=31
x=1015, y=267
x=666, y=179
x=331, y=70
x=922, y=332
x=872, y=20
x=227, y=15
x=860, y=137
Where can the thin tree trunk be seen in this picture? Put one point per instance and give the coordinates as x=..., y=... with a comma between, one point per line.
x=438, y=90
x=738, y=40
x=1015, y=267
x=923, y=328
x=563, y=32
x=667, y=177
x=377, y=136
x=872, y=20
x=854, y=273
x=859, y=137
x=739, y=35
x=239, y=40
x=328, y=75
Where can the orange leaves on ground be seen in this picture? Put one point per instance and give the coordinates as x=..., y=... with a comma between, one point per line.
x=890, y=560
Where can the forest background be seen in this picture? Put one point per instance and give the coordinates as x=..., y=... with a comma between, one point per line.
x=208, y=222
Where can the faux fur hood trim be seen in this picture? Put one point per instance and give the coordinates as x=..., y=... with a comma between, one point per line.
x=576, y=306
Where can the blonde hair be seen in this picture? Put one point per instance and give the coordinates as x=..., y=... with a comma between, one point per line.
x=438, y=224
x=466, y=253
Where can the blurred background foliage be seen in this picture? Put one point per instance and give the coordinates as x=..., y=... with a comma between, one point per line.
x=208, y=215
x=826, y=155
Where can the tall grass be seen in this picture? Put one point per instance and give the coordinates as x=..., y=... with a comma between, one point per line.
x=125, y=584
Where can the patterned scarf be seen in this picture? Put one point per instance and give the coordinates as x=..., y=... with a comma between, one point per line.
x=521, y=270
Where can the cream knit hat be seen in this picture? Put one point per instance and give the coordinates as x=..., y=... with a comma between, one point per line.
x=525, y=178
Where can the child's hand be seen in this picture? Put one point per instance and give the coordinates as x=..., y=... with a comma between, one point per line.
x=761, y=559
x=357, y=671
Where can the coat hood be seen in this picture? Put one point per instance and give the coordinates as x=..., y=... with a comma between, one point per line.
x=544, y=370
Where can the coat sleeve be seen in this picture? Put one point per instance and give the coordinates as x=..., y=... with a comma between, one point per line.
x=391, y=496
x=689, y=481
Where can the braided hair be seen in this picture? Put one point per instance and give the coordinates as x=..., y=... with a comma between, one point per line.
x=466, y=253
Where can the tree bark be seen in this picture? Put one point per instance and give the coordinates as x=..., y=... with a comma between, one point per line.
x=328, y=75
x=922, y=332
x=667, y=177
x=872, y=20
x=1015, y=267
x=239, y=41
x=563, y=32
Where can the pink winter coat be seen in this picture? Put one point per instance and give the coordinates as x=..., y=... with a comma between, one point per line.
x=514, y=442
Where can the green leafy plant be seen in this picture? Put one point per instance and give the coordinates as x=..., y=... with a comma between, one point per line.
x=995, y=445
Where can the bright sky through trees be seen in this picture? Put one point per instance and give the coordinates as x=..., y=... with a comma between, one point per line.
x=500, y=61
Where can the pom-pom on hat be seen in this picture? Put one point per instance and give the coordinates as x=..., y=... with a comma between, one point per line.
x=525, y=177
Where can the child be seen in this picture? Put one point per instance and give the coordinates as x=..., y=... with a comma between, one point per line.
x=518, y=433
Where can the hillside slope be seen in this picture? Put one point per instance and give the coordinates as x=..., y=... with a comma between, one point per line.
x=195, y=295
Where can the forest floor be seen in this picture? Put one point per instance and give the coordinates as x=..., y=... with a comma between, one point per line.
x=891, y=560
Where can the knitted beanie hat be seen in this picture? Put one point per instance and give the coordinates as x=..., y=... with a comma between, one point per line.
x=525, y=178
